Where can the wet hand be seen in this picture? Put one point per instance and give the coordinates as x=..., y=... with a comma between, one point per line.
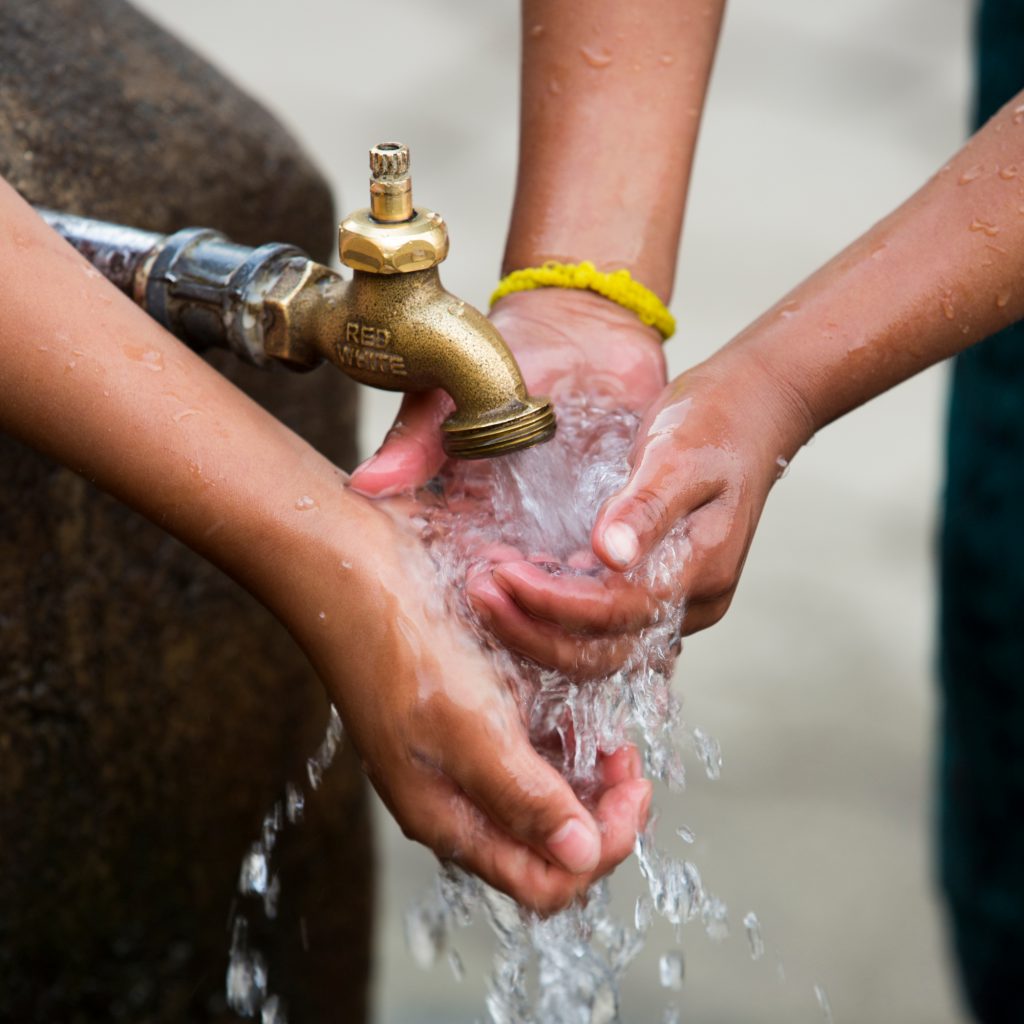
x=706, y=457
x=442, y=736
x=565, y=341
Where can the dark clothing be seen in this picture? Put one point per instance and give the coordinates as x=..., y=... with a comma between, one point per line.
x=150, y=710
x=982, y=642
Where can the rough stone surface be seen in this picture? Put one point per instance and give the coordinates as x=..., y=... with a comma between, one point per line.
x=150, y=710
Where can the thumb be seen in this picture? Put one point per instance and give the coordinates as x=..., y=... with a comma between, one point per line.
x=412, y=452
x=662, y=489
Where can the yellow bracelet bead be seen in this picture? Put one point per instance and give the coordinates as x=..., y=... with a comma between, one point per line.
x=618, y=286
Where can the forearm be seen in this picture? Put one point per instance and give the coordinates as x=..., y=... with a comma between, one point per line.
x=89, y=379
x=612, y=95
x=942, y=272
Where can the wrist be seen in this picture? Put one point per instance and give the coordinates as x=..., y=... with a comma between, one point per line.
x=771, y=403
x=577, y=318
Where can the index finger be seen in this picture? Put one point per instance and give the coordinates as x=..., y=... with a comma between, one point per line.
x=578, y=603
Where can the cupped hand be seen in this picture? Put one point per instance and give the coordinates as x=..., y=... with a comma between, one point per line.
x=706, y=457
x=442, y=735
x=565, y=341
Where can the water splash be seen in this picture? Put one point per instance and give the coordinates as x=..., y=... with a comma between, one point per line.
x=247, y=983
x=753, y=927
x=542, y=503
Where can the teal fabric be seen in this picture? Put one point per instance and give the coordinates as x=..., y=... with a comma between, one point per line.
x=982, y=622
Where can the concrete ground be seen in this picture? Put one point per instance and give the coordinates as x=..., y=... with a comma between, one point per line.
x=819, y=683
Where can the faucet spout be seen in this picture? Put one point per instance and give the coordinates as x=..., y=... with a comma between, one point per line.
x=406, y=332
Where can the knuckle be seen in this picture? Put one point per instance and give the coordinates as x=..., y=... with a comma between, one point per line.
x=651, y=508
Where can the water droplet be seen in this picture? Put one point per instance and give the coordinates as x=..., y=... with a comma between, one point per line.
x=247, y=973
x=671, y=1015
x=788, y=309
x=184, y=414
x=971, y=174
x=90, y=271
x=685, y=833
x=666, y=59
x=596, y=57
x=1018, y=114
x=536, y=31
x=554, y=87
x=710, y=753
x=715, y=915
x=670, y=970
x=879, y=251
x=424, y=935
x=823, y=1003
x=947, y=306
x=305, y=503
x=322, y=616
x=153, y=360
x=457, y=309
x=783, y=463
x=643, y=913
x=294, y=802
x=1002, y=298
x=985, y=227
x=270, y=898
x=273, y=1012
x=253, y=877
x=455, y=963
x=753, y=927
x=346, y=565
x=1009, y=172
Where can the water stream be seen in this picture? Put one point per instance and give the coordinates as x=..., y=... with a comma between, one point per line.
x=567, y=968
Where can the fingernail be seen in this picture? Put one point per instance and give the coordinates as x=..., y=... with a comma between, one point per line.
x=365, y=467
x=575, y=847
x=382, y=464
x=622, y=543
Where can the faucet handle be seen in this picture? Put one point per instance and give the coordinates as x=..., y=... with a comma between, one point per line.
x=391, y=237
x=390, y=184
x=389, y=160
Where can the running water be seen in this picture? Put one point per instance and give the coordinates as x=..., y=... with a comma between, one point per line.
x=543, y=503
x=566, y=968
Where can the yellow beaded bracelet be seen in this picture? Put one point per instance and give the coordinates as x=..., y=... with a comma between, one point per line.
x=618, y=286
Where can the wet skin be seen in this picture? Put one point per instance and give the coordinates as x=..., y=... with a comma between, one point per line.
x=603, y=176
x=91, y=381
x=941, y=273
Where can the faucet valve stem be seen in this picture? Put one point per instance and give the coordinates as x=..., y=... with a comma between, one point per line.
x=390, y=184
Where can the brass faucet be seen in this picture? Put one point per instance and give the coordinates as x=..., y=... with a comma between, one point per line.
x=392, y=326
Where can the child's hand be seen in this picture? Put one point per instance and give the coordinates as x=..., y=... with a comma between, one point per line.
x=708, y=452
x=442, y=737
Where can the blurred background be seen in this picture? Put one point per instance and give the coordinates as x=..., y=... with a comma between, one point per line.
x=818, y=684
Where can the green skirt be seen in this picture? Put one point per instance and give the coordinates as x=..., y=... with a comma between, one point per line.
x=982, y=622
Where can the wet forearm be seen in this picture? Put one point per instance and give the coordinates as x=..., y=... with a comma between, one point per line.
x=612, y=95
x=942, y=272
x=89, y=379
